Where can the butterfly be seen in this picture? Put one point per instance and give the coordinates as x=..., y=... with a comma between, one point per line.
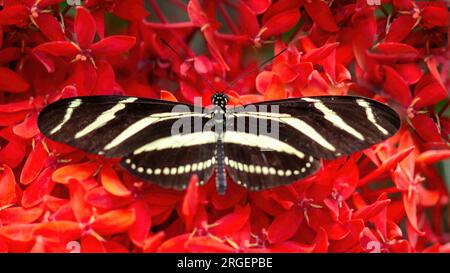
x=168, y=142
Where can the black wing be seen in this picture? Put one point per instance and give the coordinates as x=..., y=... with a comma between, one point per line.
x=112, y=126
x=327, y=126
x=257, y=169
x=173, y=167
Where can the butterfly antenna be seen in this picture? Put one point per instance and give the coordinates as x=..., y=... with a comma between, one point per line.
x=253, y=70
x=188, y=63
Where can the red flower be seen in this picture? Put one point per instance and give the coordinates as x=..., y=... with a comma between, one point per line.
x=36, y=12
x=84, y=52
x=391, y=197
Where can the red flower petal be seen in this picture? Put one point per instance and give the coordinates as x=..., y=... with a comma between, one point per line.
x=396, y=86
x=213, y=47
x=7, y=186
x=18, y=232
x=112, y=183
x=90, y=244
x=430, y=94
x=410, y=72
x=433, y=67
x=34, y=164
x=59, y=231
x=100, y=198
x=38, y=189
x=371, y=210
x=321, y=15
x=426, y=128
x=12, y=153
x=318, y=54
x=400, y=28
x=232, y=222
x=285, y=72
x=394, y=52
x=258, y=6
x=232, y=197
x=247, y=18
x=84, y=27
x=152, y=243
x=57, y=49
x=79, y=172
x=270, y=84
x=278, y=232
x=50, y=27
x=14, y=15
x=203, y=65
x=140, y=229
x=410, y=204
x=175, y=244
x=363, y=34
x=9, y=54
x=435, y=16
x=113, y=45
x=321, y=242
x=168, y=96
x=80, y=208
x=207, y=244
x=430, y=157
x=20, y=215
x=11, y=81
x=113, y=222
x=190, y=202
x=28, y=128
x=16, y=106
x=291, y=247
x=386, y=165
x=280, y=23
x=428, y=198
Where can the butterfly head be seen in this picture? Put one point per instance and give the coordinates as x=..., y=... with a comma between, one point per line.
x=220, y=100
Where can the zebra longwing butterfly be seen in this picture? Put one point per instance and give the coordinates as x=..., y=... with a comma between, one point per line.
x=141, y=132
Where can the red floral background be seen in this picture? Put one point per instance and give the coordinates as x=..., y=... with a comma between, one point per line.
x=392, y=197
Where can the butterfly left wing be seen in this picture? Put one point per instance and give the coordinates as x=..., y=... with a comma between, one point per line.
x=171, y=161
x=112, y=126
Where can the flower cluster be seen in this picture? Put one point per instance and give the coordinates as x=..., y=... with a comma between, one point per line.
x=391, y=197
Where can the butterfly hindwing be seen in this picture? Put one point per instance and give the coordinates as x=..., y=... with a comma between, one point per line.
x=171, y=161
x=258, y=169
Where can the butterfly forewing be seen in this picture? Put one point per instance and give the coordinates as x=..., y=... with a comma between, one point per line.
x=112, y=126
x=330, y=126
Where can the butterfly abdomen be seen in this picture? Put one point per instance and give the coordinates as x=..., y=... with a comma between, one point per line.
x=221, y=178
